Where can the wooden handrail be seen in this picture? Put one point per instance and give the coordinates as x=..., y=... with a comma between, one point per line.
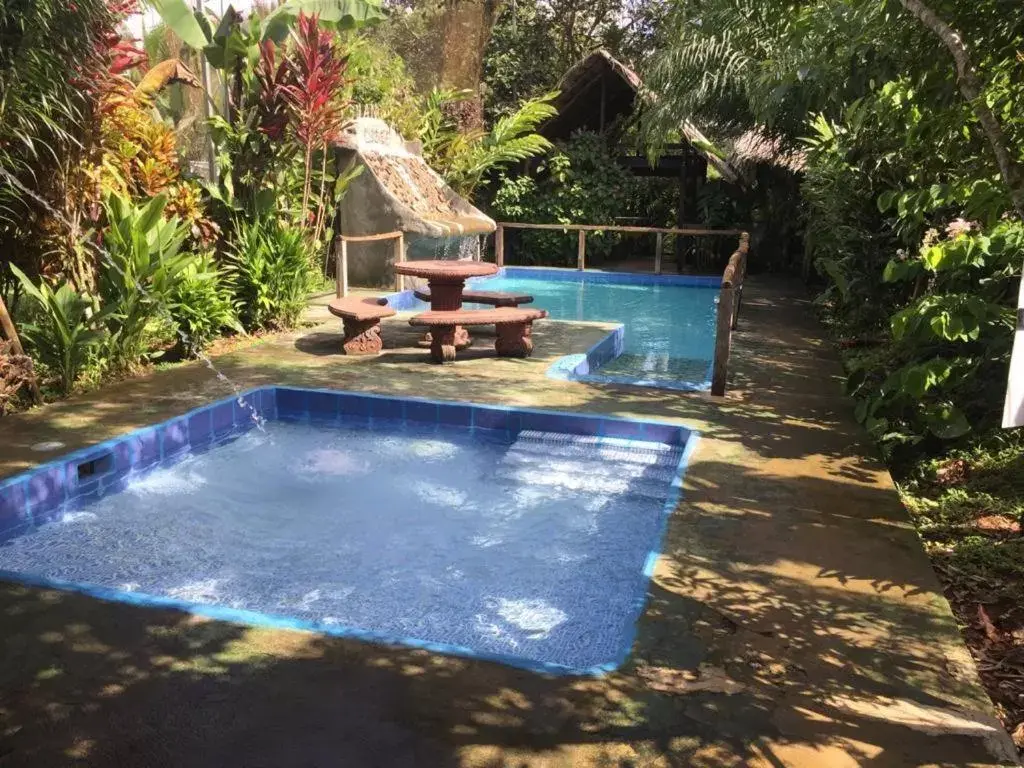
x=729, y=299
x=341, y=257
x=737, y=266
x=616, y=228
x=369, y=238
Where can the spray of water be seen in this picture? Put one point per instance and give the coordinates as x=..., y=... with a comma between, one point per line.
x=257, y=419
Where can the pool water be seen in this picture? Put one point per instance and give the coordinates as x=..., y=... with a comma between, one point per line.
x=669, y=327
x=533, y=548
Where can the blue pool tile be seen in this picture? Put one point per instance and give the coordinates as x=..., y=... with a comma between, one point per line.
x=322, y=406
x=354, y=407
x=148, y=448
x=387, y=408
x=422, y=412
x=174, y=438
x=664, y=433
x=200, y=426
x=491, y=418
x=630, y=430
x=456, y=415
x=223, y=417
x=126, y=454
x=13, y=509
x=292, y=402
x=46, y=490
x=268, y=403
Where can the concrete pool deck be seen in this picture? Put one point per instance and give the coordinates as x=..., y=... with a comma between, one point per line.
x=793, y=619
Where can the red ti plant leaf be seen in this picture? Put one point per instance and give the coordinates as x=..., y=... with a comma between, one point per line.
x=272, y=79
x=313, y=97
x=319, y=76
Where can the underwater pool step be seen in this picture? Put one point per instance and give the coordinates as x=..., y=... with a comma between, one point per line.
x=594, y=465
x=594, y=477
x=600, y=449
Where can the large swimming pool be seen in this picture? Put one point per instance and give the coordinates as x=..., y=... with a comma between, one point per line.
x=667, y=337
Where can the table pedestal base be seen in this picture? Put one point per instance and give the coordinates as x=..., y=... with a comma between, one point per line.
x=462, y=338
x=514, y=339
x=442, y=343
x=362, y=337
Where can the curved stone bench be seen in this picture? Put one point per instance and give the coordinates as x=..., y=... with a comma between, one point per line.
x=360, y=319
x=494, y=298
x=514, y=327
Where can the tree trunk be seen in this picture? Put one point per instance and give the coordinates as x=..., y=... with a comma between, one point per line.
x=8, y=330
x=466, y=30
x=971, y=88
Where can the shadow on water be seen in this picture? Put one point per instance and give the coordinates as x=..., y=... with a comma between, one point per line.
x=789, y=569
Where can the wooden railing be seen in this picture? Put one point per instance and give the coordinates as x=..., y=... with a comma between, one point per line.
x=341, y=257
x=582, y=229
x=730, y=297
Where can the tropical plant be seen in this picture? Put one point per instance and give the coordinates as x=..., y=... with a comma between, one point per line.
x=64, y=332
x=579, y=182
x=138, y=276
x=59, y=63
x=465, y=158
x=202, y=306
x=270, y=270
x=317, y=113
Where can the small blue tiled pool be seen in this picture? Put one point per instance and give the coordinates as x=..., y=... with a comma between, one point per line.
x=525, y=537
x=667, y=338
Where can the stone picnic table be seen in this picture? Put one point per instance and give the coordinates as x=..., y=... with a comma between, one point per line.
x=447, y=281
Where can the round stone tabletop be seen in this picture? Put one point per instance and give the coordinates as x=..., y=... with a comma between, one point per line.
x=446, y=270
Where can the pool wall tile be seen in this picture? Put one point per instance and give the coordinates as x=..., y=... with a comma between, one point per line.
x=174, y=438
x=491, y=418
x=200, y=426
x=353, y=407
x=422, y=412
x=149, y=447
x=223, y=416
x=46, y=492
x=13, y=508
x=387, y=408
x=630, y=430
x=455, y=415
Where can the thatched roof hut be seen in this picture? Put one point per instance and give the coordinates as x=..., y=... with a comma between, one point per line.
x=600, y=94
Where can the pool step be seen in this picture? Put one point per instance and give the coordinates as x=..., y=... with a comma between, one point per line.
x=591, y=464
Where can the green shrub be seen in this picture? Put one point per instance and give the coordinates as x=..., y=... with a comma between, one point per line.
x=140, y=270
x=580, y=183
x=202, y=306
x=270, y=272
x=63, y=336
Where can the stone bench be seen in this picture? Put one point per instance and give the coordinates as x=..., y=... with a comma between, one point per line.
x=494, y=298
x=360, y=319
x=514, y=329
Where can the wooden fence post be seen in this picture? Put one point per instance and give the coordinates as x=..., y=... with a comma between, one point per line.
x=9, y=331
x=341, y=270
x=723, y=340
x=399, y=258
x=657, y=254
x=499, y=246
x=581, y=250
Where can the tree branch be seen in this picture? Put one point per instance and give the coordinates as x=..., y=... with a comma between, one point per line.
x=971, y=89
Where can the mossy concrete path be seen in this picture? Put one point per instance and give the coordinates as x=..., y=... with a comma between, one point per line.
x=793, y=620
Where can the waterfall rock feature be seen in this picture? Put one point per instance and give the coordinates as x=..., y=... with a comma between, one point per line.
x=397, y=190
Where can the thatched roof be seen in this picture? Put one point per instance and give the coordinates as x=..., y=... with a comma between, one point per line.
x=579, y=108
x=756, y=147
